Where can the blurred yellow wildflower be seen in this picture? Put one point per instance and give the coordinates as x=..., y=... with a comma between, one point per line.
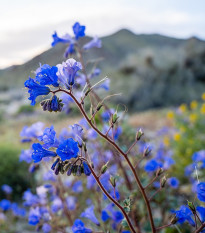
x=177, y=136
x=170, y=115
x=182, y=108
x=202, y=110
x=166, y=141
x=193, y=104
x=193, y=117
x=182, y=129
x=203, y=96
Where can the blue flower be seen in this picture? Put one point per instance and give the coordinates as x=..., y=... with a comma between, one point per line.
x=173, y=182
x=17, y=211
x=49, y=138
x=5, y=204
x=87, y=170
x=68, y=149
x=152, y=165
x=78, y=30
x=95, y=42
x=199, y=156
x=201, y=211
x=26, y=156
x=33, y=131
x=67, y=72
x=56, y=205
x=201, y=191
x=46, y=75
x=6, y=188
x=71, y=202
x=35, y=90
x=77, y=132
x=77, y=186
x=70, y=50
x=105, y=85
x=79, y=227
x=29, y=198
x=184, y=214
x=46, y=228
x=95, y=72
x=117, y=216
x=104, y=216
x=34, y=216
x=89, y=213
x=40, y=153
x=57, y=39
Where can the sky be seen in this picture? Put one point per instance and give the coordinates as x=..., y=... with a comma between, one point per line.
x=26, y=26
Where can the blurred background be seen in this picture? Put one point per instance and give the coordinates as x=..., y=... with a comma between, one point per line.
x=152, y=51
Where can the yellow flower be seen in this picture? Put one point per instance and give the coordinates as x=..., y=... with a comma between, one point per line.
x=182, y=108
x=166, y=141
x=193, y=104
x=182, y=129
x=202, y=110
x=193, y=117
x=170, y=115
x=177, y=137
x=203, y=96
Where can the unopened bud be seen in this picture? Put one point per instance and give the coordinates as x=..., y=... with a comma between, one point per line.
x=87, y=92
x=174, y=219
x=113, y=181
x=104, y=168
x=114, y=118
x=139, y=134
x=99, y=107
x=191, y=206
x=163, y=181
x=147, y=151
x=159, y=171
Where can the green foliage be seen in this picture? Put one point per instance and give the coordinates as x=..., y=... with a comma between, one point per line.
x=13, y=172
x=26, y=109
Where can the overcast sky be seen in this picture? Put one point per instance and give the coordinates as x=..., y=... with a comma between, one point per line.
x=26, y=26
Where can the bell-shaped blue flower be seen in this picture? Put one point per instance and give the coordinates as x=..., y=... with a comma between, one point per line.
x=104, y=216
x=49, y=138
x=89, y=213
x=201, y=191
x=39, y=153
x=67, y=72
x=34, y=216
x=5, y=204
x=46, y=75
x=56, y=39
x=68, y=149
x=94, y=43
x=173, y=182
x=201, y=211
x=152, y=165
x=79, y=30
x=79, y=227
x=184, y=214
x=35, y=90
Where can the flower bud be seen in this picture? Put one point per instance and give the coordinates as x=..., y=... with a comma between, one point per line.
x=66, y=167
x=55, y=163
x=104, y=168
x=99, y=107
x=139, y=134
x=74, y=170
x=159, y=171
x=163, y=181
x=147, y=151
x=57, y=169
x=79, y=170
x=174, y=219
x=70, y=168
x=114, y=118
x=113, y=181
x=191, y=206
